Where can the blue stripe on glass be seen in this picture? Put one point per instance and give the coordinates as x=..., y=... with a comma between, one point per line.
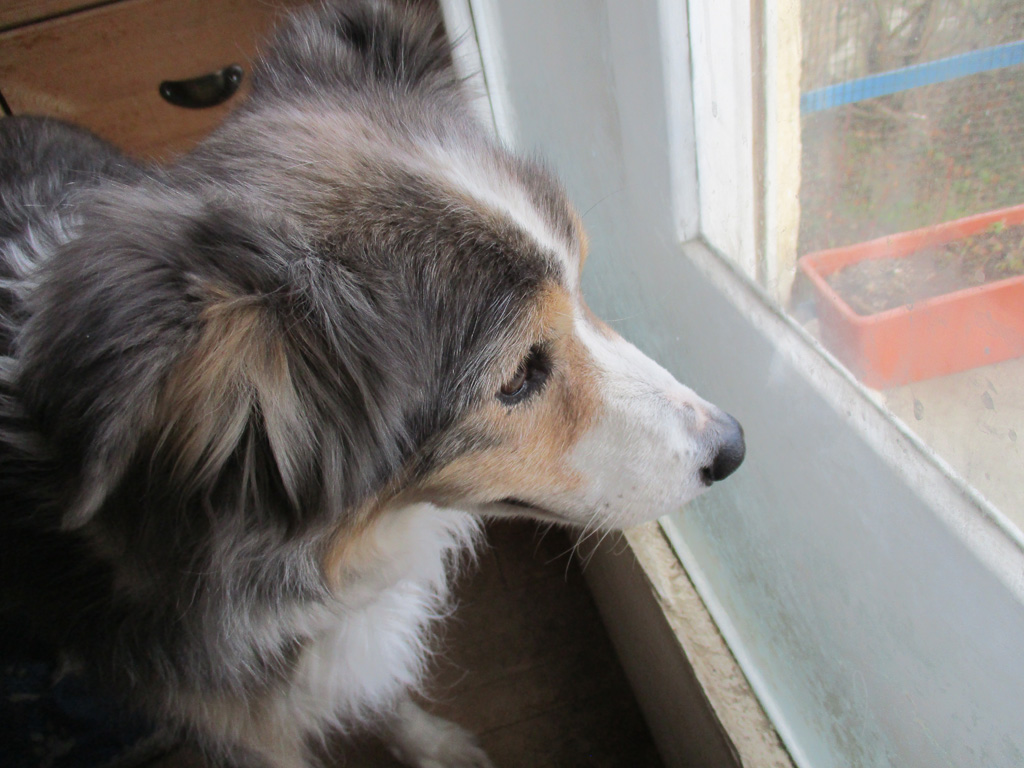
x=894, y=81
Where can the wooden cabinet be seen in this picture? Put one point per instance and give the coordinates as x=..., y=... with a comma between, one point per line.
x=102, y=65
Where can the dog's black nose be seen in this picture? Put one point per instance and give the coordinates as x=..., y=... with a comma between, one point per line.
x=731, y=450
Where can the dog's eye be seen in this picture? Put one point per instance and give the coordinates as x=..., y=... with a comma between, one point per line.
x=528, y=378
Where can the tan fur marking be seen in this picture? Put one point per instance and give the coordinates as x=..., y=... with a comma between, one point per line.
x=581, y=237
x=239, y=361
x=352, y=546
x=530, y=442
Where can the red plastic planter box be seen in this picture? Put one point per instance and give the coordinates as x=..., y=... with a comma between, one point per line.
x=934, y=337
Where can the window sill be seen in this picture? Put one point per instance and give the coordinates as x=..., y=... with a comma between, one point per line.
x=700, y=708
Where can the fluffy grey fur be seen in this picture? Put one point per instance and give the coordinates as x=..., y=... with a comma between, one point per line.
x=209, y=370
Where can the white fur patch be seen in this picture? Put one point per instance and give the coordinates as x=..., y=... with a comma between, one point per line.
x=372, y=646
x=422, y=740
x=492, y=188
x=642, y=457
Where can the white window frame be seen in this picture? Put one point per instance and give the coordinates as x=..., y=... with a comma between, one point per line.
x=906, y=588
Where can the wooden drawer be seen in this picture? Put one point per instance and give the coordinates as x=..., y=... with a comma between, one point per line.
x=16, y=12
x=102, y=68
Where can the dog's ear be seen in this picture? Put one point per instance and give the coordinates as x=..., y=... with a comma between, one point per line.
x=231, y=397
x=153, y=340
x=335, y=48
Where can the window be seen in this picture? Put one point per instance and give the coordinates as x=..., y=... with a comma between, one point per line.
x=911, y=122
x=865, y=564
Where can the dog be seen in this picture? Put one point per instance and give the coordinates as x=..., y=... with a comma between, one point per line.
x=254, y=405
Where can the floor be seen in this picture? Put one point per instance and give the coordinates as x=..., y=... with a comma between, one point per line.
x=527, y=666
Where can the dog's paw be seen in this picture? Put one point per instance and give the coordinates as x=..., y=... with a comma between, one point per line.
x=421, y=740
x=463, y=755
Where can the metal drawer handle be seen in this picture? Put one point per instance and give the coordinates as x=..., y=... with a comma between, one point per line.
x=203, y=91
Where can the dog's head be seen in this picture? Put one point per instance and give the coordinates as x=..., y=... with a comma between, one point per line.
x=350, y=295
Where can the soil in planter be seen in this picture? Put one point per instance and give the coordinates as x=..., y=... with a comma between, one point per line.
x=876, y=285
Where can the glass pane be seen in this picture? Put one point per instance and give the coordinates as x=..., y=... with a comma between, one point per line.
x=911, y=210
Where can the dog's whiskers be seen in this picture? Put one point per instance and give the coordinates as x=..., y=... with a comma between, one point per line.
x=610, y=194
